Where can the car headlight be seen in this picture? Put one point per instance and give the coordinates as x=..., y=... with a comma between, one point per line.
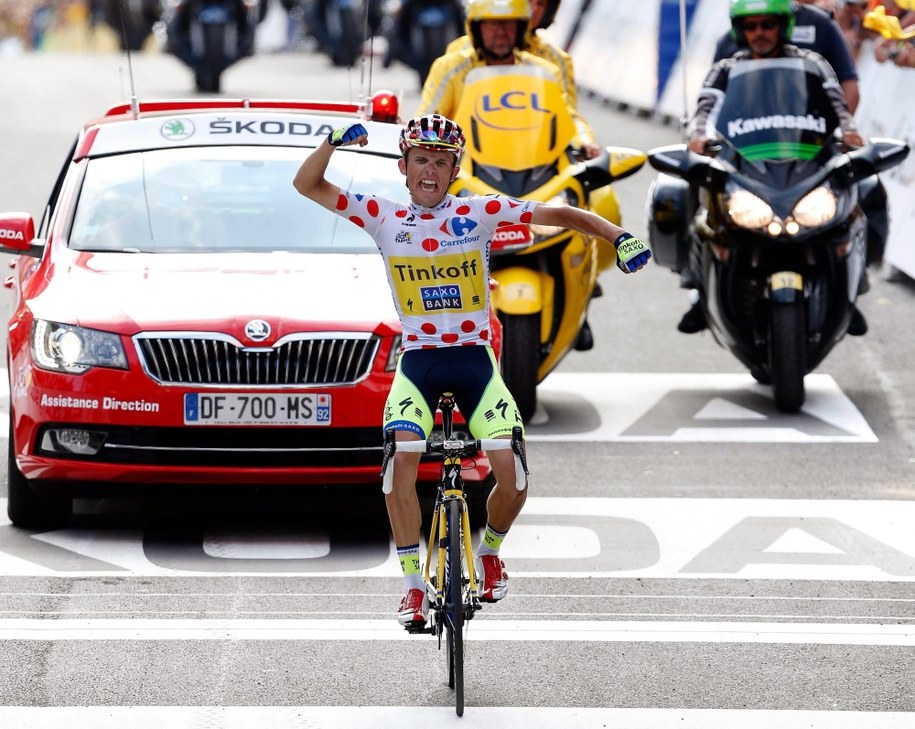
x=72, y=349
x=747, y=210
x=816, y=207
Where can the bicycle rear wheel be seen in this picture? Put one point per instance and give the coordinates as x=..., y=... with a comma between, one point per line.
x=454, y=606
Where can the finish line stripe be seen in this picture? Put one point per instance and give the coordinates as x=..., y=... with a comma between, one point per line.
x=478, y=630
x=408, y=717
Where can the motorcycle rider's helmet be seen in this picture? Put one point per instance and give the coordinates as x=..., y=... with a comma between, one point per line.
x=479, y=10
x=782, y=9
x=552, y=6
x=433, y=131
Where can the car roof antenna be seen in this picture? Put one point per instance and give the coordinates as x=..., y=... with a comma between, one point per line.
x=134, y=101
x=365, y=90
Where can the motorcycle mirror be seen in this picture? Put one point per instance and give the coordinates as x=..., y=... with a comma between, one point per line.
x=677, y=160
x=612, y=164
x=879, y=155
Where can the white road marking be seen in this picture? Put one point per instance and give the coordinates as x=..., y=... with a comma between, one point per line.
x=682, y=407
x=411, y=717
x=605, y=631
x=785, y=539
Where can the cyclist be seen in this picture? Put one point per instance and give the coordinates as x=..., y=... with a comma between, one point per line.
x=542, y=14
x=436, y=255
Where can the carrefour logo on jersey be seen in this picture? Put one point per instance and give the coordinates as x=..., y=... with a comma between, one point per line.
x=458, y=226
x=435, y=298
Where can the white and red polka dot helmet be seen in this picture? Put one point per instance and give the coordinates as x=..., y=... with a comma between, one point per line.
x=433, y=131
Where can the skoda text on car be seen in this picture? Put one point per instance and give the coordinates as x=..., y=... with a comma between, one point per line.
x=183, y=316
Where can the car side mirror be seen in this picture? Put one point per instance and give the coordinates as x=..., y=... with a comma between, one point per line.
x=17, y=231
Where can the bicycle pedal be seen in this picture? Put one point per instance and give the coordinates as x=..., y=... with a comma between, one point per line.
x=419, y=629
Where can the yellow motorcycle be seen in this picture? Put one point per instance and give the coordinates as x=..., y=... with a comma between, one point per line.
x=519, y=134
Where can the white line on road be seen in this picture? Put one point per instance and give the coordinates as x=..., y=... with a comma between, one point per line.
x=14, y=629
x=408, y=717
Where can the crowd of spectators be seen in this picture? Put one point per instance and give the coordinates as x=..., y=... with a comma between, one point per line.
x=26, y=23
x=850, y=14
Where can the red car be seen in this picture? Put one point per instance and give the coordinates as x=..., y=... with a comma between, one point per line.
x=183, y=316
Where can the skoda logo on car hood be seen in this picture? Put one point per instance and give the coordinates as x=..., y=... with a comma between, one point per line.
x=257, y=330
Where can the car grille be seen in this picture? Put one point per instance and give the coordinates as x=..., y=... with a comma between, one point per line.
x=213, y=359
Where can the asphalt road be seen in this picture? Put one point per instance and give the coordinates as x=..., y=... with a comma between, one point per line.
x=688, y=557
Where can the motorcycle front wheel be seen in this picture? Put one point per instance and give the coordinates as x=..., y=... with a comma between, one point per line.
x=787, y=355
x=521, y=359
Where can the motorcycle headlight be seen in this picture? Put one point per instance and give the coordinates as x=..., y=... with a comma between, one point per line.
x=747, y=210
x=816, y=208
x=546, y=231
x=72, y=349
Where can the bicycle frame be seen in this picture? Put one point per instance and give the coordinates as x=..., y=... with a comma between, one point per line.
x=450, y=488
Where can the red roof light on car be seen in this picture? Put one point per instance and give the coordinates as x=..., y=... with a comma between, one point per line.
x=385, y=107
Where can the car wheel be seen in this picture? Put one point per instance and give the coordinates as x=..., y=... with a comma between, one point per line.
x=28, y=509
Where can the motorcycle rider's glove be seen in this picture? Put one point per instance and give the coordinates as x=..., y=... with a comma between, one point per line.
x=346, y=135
x=631, y=253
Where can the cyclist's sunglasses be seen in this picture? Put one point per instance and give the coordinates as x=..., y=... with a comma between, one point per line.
x=748, y=26
x=429, y=137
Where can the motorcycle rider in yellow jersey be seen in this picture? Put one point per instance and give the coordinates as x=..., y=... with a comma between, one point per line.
x=447, y=346
x=498, y=34
x=542, y=14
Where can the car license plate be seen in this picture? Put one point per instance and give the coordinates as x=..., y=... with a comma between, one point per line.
x=256, y=409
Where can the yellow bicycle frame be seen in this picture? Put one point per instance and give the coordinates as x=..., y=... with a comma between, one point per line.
x=438, y=538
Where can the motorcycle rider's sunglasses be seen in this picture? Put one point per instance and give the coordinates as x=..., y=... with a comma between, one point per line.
x=748, y=26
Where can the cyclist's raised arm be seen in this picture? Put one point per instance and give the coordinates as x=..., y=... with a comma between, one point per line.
x=310, y=181
x=632, y=254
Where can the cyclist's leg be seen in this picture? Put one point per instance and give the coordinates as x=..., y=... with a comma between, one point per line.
x=494, y=417
x=407, y=413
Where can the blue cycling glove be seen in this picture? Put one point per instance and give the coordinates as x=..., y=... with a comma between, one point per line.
x=631, y=253
x=346, y=135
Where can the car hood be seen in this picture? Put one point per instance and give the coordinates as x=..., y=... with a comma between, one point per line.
x=128, y=293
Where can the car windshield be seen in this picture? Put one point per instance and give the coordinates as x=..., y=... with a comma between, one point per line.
x=221, y=199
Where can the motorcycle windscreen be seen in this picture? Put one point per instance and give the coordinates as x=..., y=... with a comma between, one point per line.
x=514, y=117
x=776, y=109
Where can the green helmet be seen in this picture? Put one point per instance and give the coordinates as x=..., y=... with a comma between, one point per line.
x=783, y=9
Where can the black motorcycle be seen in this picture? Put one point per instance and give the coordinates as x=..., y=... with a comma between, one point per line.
x=131, y=20
x=211, y=35
x=773, y=229
x=418, y=32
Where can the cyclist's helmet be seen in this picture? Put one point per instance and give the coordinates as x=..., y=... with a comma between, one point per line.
x=433, y=131
x=782, y=9
x=550, y=15
x=479, y=10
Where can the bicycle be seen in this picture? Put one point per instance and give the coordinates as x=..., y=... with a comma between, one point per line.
x=452, y=589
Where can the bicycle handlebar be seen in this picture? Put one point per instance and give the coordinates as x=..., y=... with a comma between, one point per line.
x=455, y=448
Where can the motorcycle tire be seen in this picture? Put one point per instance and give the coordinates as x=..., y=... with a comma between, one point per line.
x=788, y=355
x=521, y=360
x=348, y=46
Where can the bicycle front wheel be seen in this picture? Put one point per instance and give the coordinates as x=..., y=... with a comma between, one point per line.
x=454, y=606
